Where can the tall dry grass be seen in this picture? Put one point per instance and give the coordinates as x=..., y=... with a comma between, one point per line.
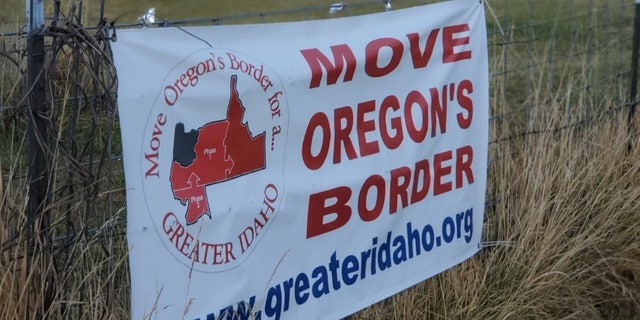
x=70, y=261
x=84, y=279
x=564, y=237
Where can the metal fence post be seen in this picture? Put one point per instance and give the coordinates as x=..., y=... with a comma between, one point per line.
x=39, y=171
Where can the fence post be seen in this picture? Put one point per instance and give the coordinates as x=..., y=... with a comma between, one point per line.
x=634, y=63
x=39, y=171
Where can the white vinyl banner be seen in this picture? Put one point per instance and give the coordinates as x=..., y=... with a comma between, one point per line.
x=301, y=170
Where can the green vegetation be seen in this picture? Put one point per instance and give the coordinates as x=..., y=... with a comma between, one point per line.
x=127, y=12
x=562, y=227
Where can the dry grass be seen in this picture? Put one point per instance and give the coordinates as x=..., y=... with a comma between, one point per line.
x=70, y=263
x=566, y=235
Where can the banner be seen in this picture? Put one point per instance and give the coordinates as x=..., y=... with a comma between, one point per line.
x=301, y=170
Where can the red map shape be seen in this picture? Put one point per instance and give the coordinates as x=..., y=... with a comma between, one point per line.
x=224, y=150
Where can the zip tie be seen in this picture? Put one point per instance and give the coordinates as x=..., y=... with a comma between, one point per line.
x=149, y=18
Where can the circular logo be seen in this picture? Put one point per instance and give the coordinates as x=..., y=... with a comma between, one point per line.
x=213, y=158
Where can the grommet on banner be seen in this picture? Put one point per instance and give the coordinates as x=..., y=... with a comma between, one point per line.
x=114, y=36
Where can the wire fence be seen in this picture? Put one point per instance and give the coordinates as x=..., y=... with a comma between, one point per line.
x=574, y=57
